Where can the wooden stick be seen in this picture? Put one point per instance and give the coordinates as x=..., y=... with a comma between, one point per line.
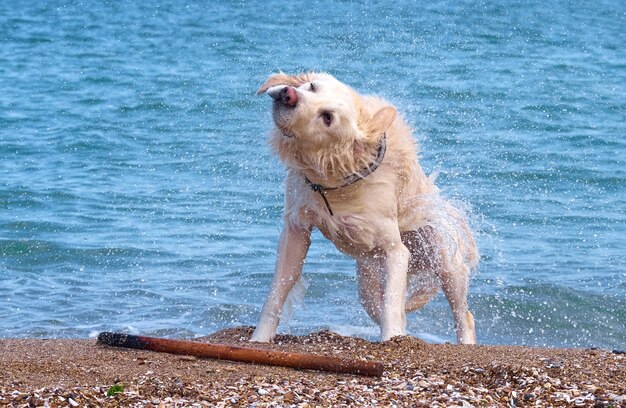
x=243, y=354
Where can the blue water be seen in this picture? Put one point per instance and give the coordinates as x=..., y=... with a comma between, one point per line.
x=138, y=193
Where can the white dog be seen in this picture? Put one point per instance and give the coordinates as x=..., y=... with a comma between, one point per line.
x=352, y=172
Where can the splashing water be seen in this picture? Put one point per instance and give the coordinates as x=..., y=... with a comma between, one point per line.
x=138, y=193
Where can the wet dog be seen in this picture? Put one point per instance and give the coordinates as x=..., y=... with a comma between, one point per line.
x=353, y=173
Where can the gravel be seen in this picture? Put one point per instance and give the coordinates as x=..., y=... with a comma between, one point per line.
x=79, y=373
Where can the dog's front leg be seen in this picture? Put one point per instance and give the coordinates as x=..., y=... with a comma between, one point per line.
x=292, y=248
x=393, y=321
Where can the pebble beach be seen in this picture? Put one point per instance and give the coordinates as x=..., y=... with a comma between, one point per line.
x=81, y=372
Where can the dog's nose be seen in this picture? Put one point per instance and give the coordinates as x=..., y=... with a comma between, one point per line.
x=287, y=96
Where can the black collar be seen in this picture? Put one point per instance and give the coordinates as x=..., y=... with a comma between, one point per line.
x=352, y=178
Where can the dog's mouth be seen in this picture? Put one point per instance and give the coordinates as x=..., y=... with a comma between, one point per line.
x=286, y=100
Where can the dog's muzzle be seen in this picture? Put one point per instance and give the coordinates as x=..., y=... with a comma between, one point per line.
x=285, y=95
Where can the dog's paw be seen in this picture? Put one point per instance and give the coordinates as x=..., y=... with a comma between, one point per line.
x=261, y=335
x=391, y=333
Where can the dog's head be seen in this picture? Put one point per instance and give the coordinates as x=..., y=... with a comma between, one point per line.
x=318, y=110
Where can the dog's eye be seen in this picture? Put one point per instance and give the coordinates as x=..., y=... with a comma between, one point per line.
x=313, y=88
x=327, y=117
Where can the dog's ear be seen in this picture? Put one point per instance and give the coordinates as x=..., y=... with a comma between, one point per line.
x=381, y=121
x=284, y=79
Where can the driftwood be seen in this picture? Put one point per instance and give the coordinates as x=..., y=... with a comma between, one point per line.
x=243, y=354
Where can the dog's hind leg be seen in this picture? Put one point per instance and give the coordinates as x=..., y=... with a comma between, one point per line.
x=454, y=281
x=370, y=287
x=427, y=256
x=423, y=264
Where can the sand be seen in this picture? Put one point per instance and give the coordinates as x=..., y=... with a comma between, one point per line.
x=80, y=372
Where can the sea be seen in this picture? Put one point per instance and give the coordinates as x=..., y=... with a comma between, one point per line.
x=138, y=192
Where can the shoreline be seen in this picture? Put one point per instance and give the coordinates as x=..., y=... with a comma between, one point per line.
x=80, y=372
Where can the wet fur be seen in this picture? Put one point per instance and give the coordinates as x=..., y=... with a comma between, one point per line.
x=406, y=239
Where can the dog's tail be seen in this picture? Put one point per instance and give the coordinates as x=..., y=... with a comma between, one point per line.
x=418, y=299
